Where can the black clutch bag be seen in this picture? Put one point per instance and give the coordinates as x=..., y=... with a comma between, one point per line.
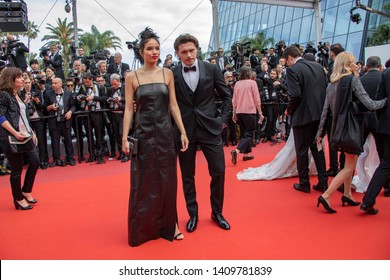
x=133, y=146
x=20, y=146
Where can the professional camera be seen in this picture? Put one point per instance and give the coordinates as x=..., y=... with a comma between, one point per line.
x=83, y=103
x=35, y=94
x=111, y=103
x=323, y=54
x=30, y=108
x=265, y=94
x=44, y=51
x=56, y=105
x=136, y=49
x=92, y=107
x=240, y=49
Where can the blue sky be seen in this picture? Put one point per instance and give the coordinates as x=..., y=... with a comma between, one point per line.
x=162, y=16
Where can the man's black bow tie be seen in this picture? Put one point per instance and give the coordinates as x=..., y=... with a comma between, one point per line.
x=59, y=93
x=187, y=69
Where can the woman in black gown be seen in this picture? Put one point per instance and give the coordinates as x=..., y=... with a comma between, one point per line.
x=153, y=191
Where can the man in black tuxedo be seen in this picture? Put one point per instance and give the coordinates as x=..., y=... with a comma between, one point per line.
x=272, y=59
x=370, y=81
x=61, y=106
x=382, y=173
x=306, y=82
x=254, y=58
x=195, y=82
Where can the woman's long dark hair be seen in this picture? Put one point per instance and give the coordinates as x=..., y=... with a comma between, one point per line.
x=7, y=79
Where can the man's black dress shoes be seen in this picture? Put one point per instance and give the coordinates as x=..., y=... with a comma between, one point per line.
x=301, y=188
x=320, y=187
x=331, y=172
x=369, y=209
x=192, y=223
x=220, y=220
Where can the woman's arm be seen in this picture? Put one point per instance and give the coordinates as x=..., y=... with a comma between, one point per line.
x=364, y=98
x=128, y=113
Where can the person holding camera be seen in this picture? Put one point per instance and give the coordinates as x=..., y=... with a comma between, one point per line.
x=118, y=67
x=15, y=53
x=60, y=107
x=54, y=59
x=89, y=99
x=323, y=54
x=14, y=122
x=36, y=110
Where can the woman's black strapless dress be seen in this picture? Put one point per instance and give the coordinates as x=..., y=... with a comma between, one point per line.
x=153, y=190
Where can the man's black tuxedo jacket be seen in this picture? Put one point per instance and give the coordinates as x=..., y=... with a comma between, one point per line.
x=201, y=108
x=384, y=114
x=50, y=99
x=370, y=82
x=306, y=82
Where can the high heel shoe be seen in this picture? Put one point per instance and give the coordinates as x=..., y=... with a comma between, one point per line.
x=18, y=206
x=349, y=201
x=31, y=201
x=322, y=201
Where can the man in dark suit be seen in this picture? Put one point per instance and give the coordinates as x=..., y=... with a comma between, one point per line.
x=382, y=173
x=370, y=81
x=16, y=53
x=195, y=82
x=54, y=59
x=222, y=60
x=60, y=105
x=254, y=58
x=306, y=82
x=272, y=59
x=118, y=67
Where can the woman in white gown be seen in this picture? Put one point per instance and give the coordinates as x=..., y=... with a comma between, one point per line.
x=284, y=166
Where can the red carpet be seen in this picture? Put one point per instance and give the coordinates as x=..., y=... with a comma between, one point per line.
x=82, y=214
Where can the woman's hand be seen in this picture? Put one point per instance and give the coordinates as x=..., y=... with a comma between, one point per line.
x=184, y=142
x=234, y=118
x=19, y=135
x=125, y=146
x=35, y=139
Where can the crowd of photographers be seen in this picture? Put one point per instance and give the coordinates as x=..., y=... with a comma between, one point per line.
x=84, y=107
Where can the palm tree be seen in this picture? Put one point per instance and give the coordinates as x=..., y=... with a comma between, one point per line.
x=260, y=41
x=61, y=35
x=32, y=32
x=99, y=41
x=381, y=35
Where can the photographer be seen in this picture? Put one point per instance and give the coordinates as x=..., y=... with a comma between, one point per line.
x=36, y=110
x=102, y=71
x=14, y=53
x=89, y=99
x=117, y=96
x=229, y=132
x=60, y=105
x=53, y=59
x=310, y=48
x=323, y=54
x=279, y=49
x=119, y=67
x=109, y=104
x=271, y=97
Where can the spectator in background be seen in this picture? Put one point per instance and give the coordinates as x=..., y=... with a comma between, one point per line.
x=54, y=60
x=246, y=105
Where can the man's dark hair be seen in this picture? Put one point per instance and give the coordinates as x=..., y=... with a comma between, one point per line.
x=292, y=51
x=32, y=61
x=373, y=62
x=185, y=38
x=387, y=64
x=336, y=48
x=88, y=76
x=255, y=49
x=309, y=56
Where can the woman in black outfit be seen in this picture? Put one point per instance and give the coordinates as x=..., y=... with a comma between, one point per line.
x=14, y=121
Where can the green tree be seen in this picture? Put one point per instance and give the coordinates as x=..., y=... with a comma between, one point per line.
x=32, y=32
x=260, y=41
x=380, y=35
x=61, y=35
x=95, y=40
